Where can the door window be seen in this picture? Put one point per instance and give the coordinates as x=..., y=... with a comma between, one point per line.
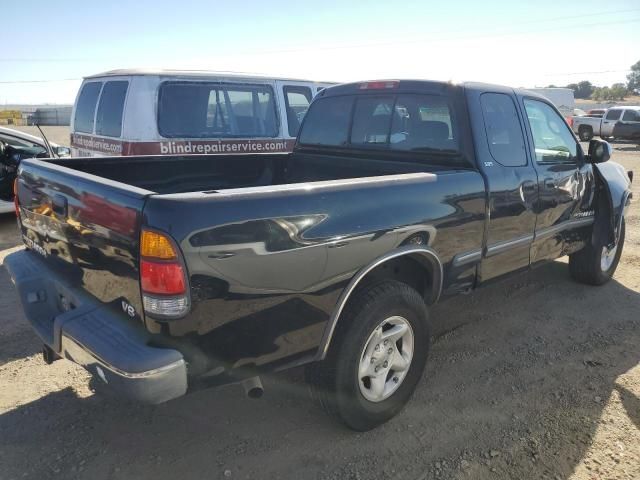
x=86, y=107
x=552, y=139
x=110, y=108
x=502, y=126
x=631, y=116
x=613, y=115
x=297, y=100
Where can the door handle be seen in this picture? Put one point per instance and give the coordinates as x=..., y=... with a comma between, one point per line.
x=550, y=183
x=338, y=244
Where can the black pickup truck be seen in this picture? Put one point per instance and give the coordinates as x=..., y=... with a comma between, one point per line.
x=165, y=274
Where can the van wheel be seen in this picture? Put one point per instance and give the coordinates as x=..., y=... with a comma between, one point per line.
x=376, y=357
x=596, y=264
x=585, y=133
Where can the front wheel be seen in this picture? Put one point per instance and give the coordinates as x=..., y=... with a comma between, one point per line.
x=596, y=264
x=377, y=357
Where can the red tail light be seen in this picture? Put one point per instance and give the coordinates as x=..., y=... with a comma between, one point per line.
x=166, y=278
x=163, y=279
x=16, y=202
x=570, y=121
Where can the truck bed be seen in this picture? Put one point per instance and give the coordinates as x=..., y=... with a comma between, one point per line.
x=196, y=173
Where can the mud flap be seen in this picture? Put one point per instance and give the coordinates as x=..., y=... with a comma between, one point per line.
x=613, y=182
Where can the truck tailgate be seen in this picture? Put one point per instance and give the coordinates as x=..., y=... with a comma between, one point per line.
x=86, y=228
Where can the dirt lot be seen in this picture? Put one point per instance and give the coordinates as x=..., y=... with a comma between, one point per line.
x=534, y=377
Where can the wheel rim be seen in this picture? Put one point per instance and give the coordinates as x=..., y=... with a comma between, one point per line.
x=607, y=257
x=385, y=359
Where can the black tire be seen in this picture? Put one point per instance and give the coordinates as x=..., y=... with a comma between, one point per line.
x=335, y=382
x=585, y=265
x=585, y=133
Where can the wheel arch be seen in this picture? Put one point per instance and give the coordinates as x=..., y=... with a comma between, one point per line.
x=425, y=257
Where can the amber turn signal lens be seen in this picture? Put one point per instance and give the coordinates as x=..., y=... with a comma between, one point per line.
x=156, y=245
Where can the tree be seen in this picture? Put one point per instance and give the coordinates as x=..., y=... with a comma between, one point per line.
x=585, y=89
x=618, y=91
x=633, y=79
x=582, y=89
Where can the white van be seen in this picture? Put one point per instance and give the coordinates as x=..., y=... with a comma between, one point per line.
x=139, y=112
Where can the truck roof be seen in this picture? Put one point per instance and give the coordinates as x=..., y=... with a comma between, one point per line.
x=193, y=73
x=433, y=86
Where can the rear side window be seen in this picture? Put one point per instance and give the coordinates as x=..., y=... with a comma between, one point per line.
x=109, y=117
x=297, y=101
x=502, y=126
x=202, y=110
x=86, y=107
x=613, y=114
x=327, y=122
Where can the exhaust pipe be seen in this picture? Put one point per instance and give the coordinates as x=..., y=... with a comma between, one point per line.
x=253, y=387
x=48, y=355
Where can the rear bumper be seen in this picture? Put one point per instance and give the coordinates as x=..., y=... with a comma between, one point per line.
x=94, y=335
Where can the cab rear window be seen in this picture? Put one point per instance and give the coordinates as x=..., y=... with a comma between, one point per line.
x=203, y=110
x=403, y=122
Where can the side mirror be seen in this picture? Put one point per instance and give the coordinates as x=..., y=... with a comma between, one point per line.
x=63, y=151
x=599, y=151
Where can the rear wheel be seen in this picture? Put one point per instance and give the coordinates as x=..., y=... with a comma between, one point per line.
x=377, y=357
x=596, y=264
x=585, y=133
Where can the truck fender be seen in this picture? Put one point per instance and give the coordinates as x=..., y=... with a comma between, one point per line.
x=616, y=185
x=424, y=254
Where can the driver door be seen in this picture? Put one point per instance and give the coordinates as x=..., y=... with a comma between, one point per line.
x=563, y=178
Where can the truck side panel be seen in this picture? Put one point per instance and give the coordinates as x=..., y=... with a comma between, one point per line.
x=267, y=265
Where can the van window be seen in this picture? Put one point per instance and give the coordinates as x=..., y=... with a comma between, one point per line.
x=109, y=117
x=86, y=107
x=502, y=126
x=202, y=110
x=297, y=100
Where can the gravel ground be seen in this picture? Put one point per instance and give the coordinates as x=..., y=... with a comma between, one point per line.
x=533, y=377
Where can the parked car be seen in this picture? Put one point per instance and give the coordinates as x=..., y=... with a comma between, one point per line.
x=16, y=145
x=182, y=272
x=144, y=112
x=617, y=122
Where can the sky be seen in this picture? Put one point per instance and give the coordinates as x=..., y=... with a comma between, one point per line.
x=516, y=43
